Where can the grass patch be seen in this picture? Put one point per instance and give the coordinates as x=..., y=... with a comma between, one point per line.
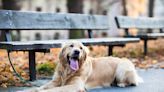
x=46, y=68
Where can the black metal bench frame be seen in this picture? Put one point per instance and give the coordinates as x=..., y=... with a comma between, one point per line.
x=126, y=23
x=15, y=20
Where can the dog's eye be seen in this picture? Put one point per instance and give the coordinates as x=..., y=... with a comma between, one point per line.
x=71, y=45
x=81, y=48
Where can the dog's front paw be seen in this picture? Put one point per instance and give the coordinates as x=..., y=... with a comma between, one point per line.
x=121, y=85
x=81, y=91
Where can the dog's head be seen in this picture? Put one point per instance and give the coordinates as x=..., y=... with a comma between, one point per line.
x=73, y=54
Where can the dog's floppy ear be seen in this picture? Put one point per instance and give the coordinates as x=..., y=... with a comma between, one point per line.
x=86, y=50
x=61, y=54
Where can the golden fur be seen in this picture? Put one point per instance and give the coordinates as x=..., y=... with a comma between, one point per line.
x=92, y=72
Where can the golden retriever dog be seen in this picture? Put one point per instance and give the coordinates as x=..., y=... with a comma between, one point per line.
x=76, y=71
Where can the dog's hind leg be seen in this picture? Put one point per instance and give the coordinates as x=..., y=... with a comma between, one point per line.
x=121, y=82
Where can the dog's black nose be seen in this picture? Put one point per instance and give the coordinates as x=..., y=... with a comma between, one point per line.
x=76, y=52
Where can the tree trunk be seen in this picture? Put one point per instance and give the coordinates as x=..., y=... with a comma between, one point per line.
x=125, y=13
x=151, y=8
x=75, y=6
x=9, y=5
x=150, y=12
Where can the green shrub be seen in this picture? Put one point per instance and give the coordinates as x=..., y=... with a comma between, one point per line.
x=46, y=68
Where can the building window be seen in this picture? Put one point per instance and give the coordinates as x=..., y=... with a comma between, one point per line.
x=58, y=10
x=104, y=34
x=90, y=11
x=56, y=36
x=39, y=9
x=37, y=36
x=104, y=12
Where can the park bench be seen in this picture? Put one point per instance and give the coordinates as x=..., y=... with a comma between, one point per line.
x=126, y=23
x=15, y=20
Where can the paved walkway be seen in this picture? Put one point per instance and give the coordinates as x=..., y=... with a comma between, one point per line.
x=153, y=82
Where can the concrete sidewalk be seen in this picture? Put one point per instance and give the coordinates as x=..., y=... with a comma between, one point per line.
x=153, y=82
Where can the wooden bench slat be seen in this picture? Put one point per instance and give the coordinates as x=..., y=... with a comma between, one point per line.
x=150, y=35
x=141, y=23
x=155, y=34
x=32, y=45
x=50, y=21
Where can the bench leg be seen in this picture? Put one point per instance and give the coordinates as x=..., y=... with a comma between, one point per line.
x=145, y=46
x=32, y=69
x=110, y=50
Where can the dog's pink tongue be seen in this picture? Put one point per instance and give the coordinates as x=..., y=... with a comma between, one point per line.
x=74, y=64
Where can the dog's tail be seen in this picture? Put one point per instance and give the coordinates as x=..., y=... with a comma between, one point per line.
x=138, y=78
